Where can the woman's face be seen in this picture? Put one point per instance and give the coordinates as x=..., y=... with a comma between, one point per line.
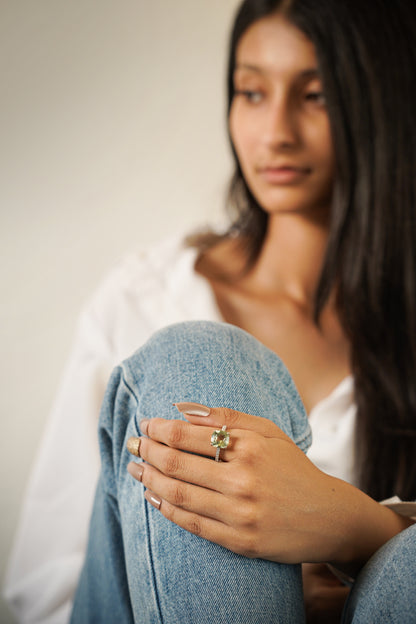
x=278, y=120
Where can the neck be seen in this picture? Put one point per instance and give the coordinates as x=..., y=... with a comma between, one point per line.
x=291, y=258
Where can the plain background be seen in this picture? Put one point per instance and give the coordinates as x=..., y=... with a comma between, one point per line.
x=112, y=135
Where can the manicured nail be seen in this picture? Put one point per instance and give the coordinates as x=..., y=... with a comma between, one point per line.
x=153, y=500
x=193, y=409
x=133, y=446
x=144, y=425
x=136, y=470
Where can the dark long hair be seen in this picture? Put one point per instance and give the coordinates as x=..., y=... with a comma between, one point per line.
x=367, y=57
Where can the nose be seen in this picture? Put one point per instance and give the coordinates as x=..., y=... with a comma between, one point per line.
x=281, y=128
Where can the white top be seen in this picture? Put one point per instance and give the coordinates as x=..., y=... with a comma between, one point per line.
x=147, y=291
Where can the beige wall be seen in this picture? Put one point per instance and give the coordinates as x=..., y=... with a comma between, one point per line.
x=112, y=134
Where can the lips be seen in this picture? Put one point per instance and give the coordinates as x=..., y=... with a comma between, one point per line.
x=283, y=174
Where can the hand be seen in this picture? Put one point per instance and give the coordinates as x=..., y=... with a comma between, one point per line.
x=324, y=595
x=265, y=499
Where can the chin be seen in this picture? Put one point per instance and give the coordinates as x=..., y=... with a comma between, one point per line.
x=290, y=201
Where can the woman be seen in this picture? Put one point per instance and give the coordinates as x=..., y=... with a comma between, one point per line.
x=321, y=270
x=147, y=293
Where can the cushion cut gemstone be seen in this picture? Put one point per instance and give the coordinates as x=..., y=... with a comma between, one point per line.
x=220, y=438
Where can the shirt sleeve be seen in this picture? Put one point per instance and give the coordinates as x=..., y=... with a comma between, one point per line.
x=51, y=537
x=138, y=296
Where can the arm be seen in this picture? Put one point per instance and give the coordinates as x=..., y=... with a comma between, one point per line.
x=150, y=565
x=269, y=500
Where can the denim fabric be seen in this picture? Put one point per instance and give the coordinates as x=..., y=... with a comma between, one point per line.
x=385, y=590
x=140, y=567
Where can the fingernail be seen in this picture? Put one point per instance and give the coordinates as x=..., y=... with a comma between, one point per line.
x=133, y=446
x=153, y=499
x=136, y=470
x=144, y=425
x=193, y=409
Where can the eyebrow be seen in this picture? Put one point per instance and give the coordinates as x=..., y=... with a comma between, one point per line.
x=312, y=72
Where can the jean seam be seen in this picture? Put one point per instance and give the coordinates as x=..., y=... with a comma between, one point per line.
x=146, y=507
x=305, y=437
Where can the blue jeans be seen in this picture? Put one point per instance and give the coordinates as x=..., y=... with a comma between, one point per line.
x=139, y=567
x=385, y=590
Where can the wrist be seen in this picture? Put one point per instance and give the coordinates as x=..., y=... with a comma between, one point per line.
x=366, y=526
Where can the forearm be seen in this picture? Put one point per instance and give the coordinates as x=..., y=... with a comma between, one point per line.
x=363, y=526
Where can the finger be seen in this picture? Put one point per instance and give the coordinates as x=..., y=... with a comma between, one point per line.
x=201, y=501
x=233, y=419
x=207, y=528
x=188, y=437
x=184, y=466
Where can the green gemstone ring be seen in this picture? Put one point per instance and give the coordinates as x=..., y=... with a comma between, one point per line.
x=220, y=439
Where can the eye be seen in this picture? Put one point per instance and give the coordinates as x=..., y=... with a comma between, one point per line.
x=252, y=96
x=316, y=97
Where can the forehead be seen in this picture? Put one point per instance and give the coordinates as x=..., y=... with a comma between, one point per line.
x=274, y=45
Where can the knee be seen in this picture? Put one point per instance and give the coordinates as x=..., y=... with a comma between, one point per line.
x=396, y=554
x=197, y=337
x=196, y=356
x=183, y=359
x=206, y=349
x=386, y=576
x=218, y=365
x=214, y=354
